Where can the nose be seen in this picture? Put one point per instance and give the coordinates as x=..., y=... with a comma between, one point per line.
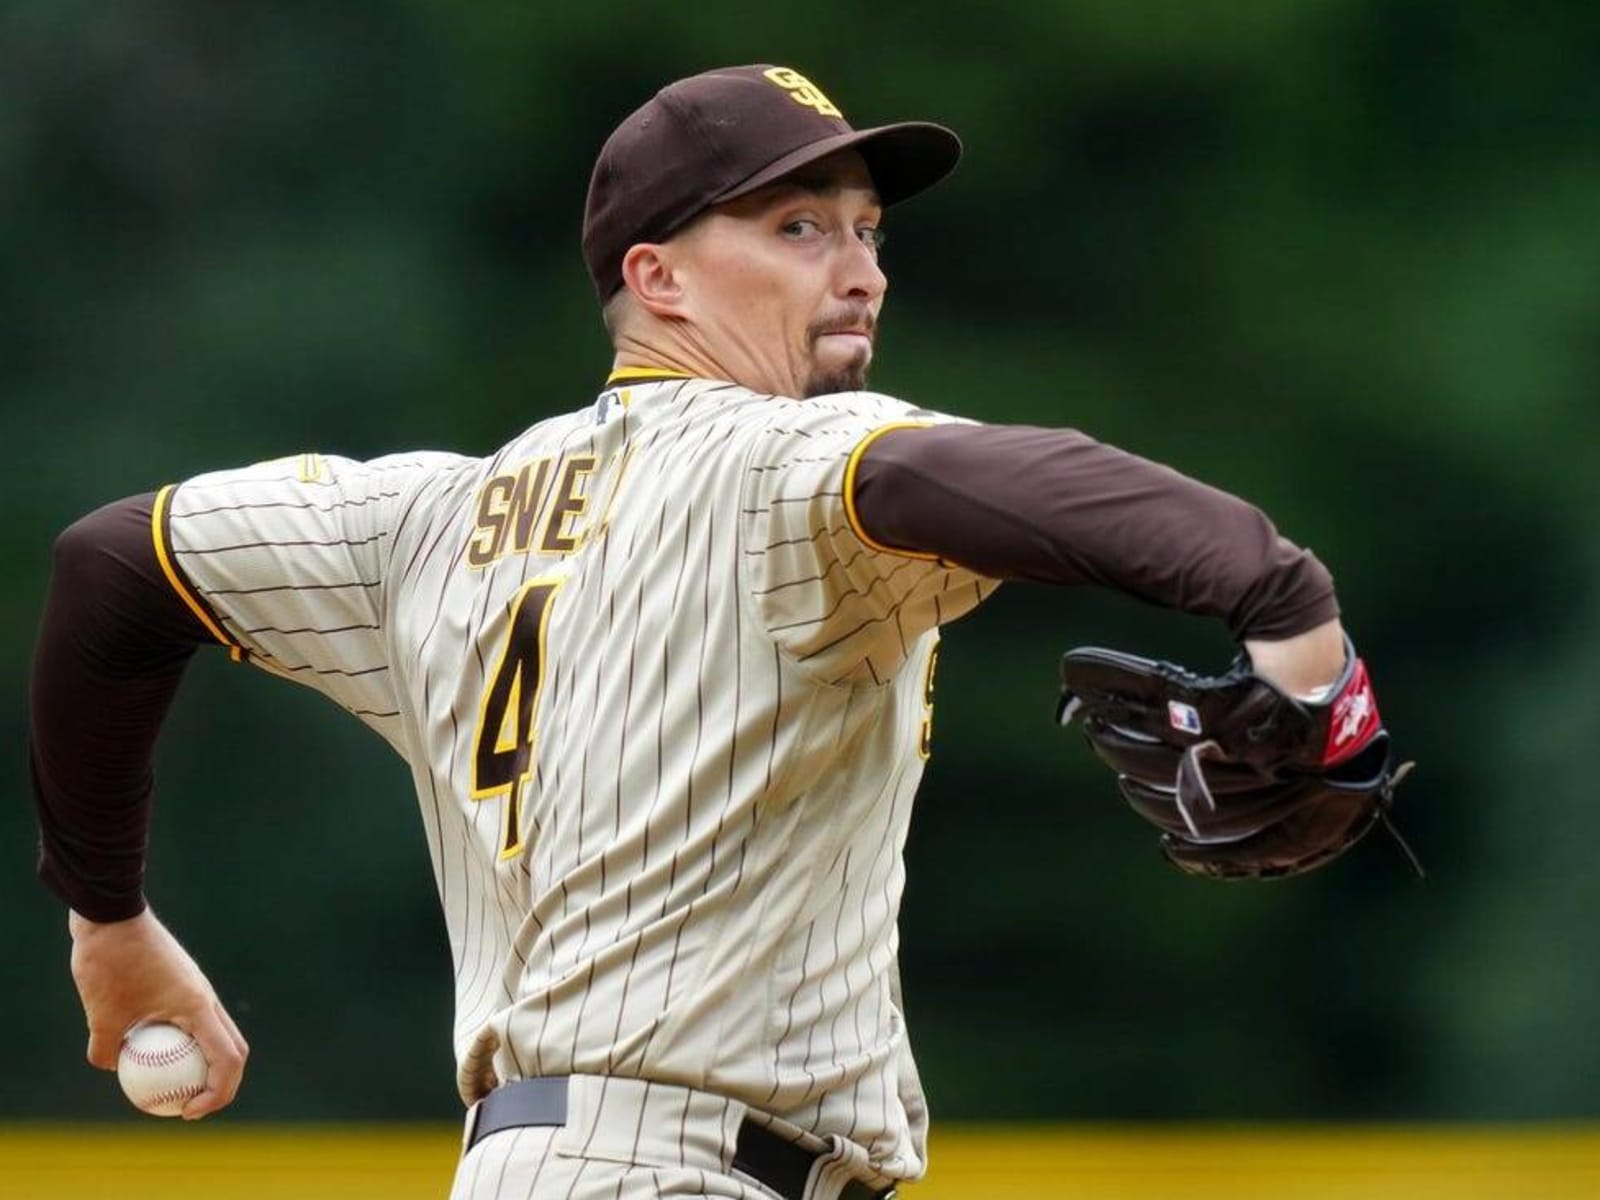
x=861, y=278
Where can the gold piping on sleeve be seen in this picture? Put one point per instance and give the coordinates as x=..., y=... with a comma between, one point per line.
x=168, y=568
x=850, y=512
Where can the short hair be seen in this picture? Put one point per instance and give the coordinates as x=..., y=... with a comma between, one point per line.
x=614, y=311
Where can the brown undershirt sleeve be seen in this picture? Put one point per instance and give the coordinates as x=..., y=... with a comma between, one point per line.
x=1055, y=506
x=113, y=644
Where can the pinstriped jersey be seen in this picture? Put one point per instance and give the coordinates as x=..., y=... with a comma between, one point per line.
x=666, y=704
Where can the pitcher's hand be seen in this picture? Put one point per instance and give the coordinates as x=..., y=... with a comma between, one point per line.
x=135, y=970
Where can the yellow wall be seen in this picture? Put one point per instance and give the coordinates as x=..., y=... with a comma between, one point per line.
x=220, y=1162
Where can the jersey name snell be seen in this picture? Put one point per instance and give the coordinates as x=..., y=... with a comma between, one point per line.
x=539, y=507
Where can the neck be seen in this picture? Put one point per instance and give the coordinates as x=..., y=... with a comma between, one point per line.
x=653, y=350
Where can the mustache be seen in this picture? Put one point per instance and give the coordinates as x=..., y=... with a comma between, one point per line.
x=856, y=321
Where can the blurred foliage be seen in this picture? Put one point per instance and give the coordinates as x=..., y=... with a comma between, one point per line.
x=1339, y=256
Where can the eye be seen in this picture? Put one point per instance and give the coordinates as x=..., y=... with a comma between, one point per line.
x=872, y=237
x=800, y=227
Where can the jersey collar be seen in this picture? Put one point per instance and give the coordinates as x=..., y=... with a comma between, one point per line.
x=643, y=375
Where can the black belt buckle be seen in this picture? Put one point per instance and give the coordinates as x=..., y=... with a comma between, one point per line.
x=780, y=1165
x=785, y=1167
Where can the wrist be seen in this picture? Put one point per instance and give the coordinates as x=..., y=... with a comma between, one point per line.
x=80, y=925
x=1305, y=665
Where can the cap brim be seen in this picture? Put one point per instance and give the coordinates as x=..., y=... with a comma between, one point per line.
x=903, y=159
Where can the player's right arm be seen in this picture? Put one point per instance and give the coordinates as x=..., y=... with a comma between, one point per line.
x=113, y=644
x=283, y=563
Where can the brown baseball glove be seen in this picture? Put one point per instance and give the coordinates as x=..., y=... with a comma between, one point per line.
x=1243, y=780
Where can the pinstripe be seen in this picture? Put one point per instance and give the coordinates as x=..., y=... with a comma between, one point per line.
x=294, y=587
x=279, y=665
x=886, y=869
x=820, y=578
x=320, y=632
x=577, y=1177
x=401, y=524
x=777, y=713
x=638, y=1128
x=197, y=551
x=586, y=992
x=435, y=827
x=260, y=504
x=486, y=960
x=538, y=1170
x=842, y=597
x=413, y=568
x=789, y=464
x=847, y=634
x=789, y=1022
x=683, y=1135
x=294, y=479
x=439, y=601
x=507, y=922
x=832, y=1053
x=599, y=1116
x=508, y=1154
x=801, y=540
x=477, y=1170
x=466, y=984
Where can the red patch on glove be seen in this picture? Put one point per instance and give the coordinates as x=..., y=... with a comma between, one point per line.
x=1352, y=718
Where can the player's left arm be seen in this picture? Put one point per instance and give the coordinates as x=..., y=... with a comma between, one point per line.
x=1056, y=506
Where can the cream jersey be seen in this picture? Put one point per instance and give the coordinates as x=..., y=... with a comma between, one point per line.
x=666, y=704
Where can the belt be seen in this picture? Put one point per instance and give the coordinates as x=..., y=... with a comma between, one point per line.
x=761, y=1154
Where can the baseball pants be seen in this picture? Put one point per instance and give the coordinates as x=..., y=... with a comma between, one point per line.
x=628, y=1139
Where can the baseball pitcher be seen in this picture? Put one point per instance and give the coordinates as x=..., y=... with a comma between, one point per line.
x=661, y=668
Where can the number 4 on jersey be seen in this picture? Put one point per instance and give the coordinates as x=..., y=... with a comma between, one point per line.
x=502, y=748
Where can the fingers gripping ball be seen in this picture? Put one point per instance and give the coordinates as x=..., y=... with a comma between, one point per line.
x=161, y=1068
x=1243, y=780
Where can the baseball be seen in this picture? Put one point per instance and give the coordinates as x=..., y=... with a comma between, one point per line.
x=161, y=1068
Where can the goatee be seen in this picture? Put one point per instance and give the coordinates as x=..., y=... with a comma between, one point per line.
x=843, y=377
x=824, y=381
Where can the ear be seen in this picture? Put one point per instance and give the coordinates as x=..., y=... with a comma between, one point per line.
x=647, y=272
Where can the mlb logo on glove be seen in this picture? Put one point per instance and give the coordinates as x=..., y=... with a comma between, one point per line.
x=1184, y=717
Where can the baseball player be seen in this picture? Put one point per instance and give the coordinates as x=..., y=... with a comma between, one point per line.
x=661, y=668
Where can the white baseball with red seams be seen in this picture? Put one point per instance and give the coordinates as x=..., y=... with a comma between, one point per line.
x=161, y=1068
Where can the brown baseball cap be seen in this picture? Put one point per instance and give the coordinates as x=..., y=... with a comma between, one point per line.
x=724, y=133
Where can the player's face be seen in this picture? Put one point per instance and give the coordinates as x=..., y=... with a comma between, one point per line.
x=784, y=286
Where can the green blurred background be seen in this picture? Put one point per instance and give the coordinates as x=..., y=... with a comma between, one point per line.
x=1339, y=256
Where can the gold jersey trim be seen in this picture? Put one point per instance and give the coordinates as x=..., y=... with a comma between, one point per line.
x=850, y=512
x=643, y=375
x=159, y=519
